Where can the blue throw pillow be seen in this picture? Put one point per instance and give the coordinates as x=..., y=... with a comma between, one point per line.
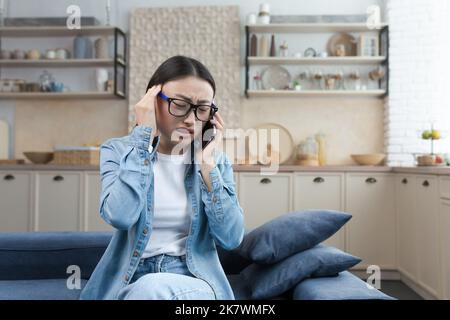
x=268, y=281
x=291, y=233
x=345, y=286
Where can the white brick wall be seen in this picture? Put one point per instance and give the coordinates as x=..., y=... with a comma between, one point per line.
x=419, y=77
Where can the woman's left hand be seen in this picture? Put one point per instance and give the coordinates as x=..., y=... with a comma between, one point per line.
x=206, y=156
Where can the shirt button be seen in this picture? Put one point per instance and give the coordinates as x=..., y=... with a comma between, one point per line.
x=145, y=231
x=146, y=162
x=135, y=254
x=214, y=199
x=126, y=278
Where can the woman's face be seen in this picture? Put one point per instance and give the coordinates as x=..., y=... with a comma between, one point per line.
x=191, y=89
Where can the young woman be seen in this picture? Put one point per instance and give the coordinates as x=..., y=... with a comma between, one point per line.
x=171, y=200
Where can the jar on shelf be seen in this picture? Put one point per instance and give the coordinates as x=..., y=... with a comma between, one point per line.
x=284, y=49
x=307, y=153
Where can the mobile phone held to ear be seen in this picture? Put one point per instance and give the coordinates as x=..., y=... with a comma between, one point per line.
x=208, y=134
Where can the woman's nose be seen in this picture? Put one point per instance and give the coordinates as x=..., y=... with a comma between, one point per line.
x=190, y=118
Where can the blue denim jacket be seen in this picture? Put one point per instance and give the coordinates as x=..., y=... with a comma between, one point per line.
x=126, y=203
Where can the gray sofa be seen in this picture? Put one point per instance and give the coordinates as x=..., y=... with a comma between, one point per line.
x=33, y=265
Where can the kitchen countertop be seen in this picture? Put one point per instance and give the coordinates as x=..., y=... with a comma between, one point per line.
x=254, y=168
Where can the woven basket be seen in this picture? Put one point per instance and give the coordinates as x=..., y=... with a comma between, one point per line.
x=77, y=157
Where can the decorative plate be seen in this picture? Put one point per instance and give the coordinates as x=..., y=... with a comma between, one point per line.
x=275, y=78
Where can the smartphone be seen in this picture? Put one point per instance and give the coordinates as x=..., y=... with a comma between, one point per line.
x=208, y=135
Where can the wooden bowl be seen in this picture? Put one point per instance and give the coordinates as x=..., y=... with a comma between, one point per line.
x=39, y=157
x=371, y=159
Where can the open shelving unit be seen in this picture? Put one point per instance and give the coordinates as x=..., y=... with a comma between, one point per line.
x=280, y=28
x=118, y=62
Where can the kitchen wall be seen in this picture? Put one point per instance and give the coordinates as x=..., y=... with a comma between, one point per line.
x=352, y=125
x=420, y=68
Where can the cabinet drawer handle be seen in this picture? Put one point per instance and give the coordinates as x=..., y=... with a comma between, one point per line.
x=319, y=180
x=371, y=180
x=9, y=177
x=426, y=183
x=58, y=178
x=265, y=181
x=405, y=181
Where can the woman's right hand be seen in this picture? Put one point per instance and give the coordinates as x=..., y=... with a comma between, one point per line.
x=146, y=110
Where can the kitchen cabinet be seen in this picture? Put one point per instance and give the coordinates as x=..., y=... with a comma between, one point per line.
x=264, y=197
x=58, y=204
x=321, y=191
x=427, y=232
x=444, y=187
x=444, y=246
x=15, y=200
x=92, y=189
x=236, y=182
x=407, y=227
x=370, y=199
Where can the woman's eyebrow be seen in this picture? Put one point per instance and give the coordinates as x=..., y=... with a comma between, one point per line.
x=187, y=98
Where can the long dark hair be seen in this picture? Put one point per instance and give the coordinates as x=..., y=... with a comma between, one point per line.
x=180, y=66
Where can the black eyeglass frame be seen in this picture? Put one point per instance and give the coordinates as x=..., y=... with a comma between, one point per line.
x=213, y=107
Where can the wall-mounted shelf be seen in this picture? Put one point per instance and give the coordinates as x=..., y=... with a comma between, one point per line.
x=55, y=31
x=383, y=33
x=118, y=62
x=59, y=63
x=313, y=27
x=59, y=95
x=311, y=61
x=316, y=93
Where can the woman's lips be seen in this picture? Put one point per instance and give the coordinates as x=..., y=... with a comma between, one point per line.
x=185, y=131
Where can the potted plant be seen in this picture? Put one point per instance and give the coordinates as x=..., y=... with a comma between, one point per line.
x=297, y=85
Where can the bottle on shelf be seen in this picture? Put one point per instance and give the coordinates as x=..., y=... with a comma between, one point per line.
x=263, y=46
x=254, y=46
x=272, y=47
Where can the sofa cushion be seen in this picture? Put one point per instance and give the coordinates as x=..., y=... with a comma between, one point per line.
x=46, y=255
x=242, y=291
x=266, y=281
x=345, y=286
x=47, y=289
x=290, y=233
x=232, y=262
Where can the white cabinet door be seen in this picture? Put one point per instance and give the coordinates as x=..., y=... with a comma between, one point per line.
x=236, y=181
x=407, y=249
x=427, y=212
x=445, y=245
x=92, y=190
x=371, y=231
x=58, y=201
x=263, y=198
x=15, y=201
x=321, y=191
x=444, y=187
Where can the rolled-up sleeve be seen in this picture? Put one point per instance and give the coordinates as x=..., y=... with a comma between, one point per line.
x=225, y=215
x=125, y=178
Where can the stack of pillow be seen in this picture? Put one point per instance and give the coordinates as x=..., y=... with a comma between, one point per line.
x=288, y=249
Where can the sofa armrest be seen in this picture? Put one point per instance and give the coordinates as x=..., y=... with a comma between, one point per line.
x=46, y=255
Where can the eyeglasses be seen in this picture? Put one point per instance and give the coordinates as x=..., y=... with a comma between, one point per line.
x=181, y=108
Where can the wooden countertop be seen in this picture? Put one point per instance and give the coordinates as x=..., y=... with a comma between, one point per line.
x=254, y=168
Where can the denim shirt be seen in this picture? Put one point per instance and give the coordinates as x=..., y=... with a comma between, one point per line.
x=126, y=203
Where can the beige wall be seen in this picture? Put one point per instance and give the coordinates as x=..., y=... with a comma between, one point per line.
x=352, y=125
x=42, y=124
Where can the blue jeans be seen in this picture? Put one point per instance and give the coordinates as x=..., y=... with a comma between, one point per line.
x=165, y=277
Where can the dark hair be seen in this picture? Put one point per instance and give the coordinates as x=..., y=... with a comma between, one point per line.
x=178, y=67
